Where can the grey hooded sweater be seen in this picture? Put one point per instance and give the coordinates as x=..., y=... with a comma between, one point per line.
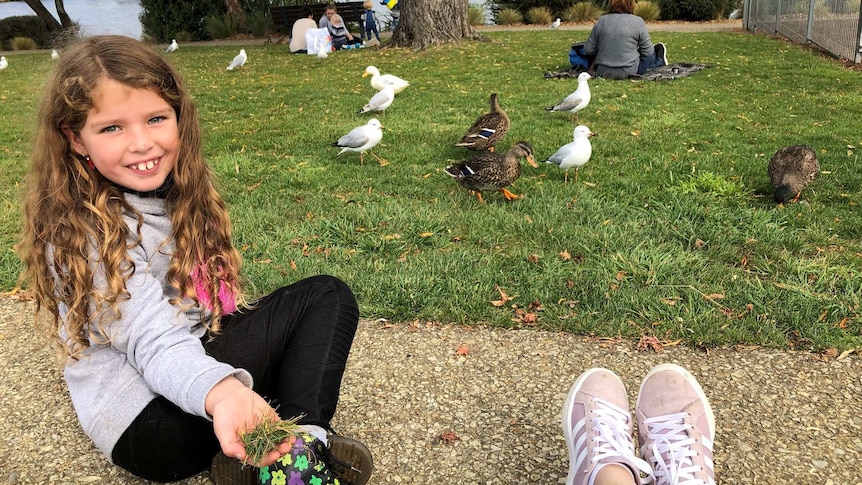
x=155, y=349
x=618, y=40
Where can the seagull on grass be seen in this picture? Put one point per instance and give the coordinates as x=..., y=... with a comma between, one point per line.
x=577, y=100
x=381, y=100
x=238, y=61
x=3, y=63
x=555, y=24
x=173, y=47
x=54, y=54
x=574, y=154
x=362, y=139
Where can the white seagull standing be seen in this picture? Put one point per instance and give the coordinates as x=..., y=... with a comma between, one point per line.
x=362, y=139
x=574, y=154
x=577, y=100
x=54, y=54
x=3, y=63
x=238, y=61
x=381, y=100
x=554, y=24
x=378, y=80
x=173, y=47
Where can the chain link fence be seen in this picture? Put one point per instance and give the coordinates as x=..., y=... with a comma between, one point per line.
x=834, y=25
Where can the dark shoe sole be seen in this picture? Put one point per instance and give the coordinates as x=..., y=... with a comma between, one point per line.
x=356, y=455
x=230, y=471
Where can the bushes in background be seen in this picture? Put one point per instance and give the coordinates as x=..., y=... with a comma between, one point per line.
x=29, y=26
x=162, y=19
x=649, y=11
x=582, y=12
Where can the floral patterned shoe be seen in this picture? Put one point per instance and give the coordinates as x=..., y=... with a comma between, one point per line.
x=310, y=462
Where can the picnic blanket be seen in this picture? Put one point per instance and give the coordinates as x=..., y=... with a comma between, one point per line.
x=663, y=73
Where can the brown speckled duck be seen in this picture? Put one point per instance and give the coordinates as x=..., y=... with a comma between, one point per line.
x=492, y=171
x=790, y=170
x=487, y=130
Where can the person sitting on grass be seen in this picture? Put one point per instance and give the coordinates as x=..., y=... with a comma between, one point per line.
x=621, y=45
x=333, y=22
x=298, y=44
x=127, y=247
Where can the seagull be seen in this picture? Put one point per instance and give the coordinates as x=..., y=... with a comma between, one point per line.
x=323, y=52
x=54, y=54
x=381, y=100
x=173, y=47
x=362, y=139
x=3, y=63
x=554, y=24
x=378, y=80
x=577, y=100
x=574, y=154
x=238, y=61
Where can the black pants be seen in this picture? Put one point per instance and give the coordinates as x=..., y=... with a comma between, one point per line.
x=295, y=344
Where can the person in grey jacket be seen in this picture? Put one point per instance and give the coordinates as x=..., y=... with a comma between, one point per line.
x=127, y=246
x=621, y=45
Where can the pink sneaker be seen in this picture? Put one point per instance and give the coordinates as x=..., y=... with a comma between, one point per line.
x=598, y=426
x=676, y=427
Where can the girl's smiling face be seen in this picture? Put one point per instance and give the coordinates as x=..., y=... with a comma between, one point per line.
x=130, y=135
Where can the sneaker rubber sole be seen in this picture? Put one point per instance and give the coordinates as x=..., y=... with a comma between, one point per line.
x=356, y=455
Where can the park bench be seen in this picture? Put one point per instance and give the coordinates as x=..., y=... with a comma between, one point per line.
x=286, y=15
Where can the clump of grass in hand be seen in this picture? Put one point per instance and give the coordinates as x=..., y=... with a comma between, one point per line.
x=266, y=436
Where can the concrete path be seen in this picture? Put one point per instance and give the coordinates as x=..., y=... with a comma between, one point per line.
x=782, y=417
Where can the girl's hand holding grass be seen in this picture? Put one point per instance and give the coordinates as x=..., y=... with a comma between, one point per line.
x=235, y=409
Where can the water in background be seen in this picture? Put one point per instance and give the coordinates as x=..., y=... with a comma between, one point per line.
x=122, y=16
x=94, y=16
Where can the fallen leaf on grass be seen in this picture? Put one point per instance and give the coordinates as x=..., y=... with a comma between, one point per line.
x=565, y=256
x=650, y=343
x=847, y=353
x=462, y=350
x=448, y=437
x=827, y=355
x=503, y=297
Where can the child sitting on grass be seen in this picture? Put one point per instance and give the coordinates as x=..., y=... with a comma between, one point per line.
x=127, y=246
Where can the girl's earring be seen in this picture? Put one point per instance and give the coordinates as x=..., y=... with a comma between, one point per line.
x=89, y=162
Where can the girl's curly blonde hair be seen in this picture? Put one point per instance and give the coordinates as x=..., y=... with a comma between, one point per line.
x=72, y=213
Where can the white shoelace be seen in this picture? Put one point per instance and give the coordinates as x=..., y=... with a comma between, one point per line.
x=670, y=453
x=613, y=439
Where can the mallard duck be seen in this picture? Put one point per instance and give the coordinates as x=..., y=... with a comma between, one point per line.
x=790, y=170
x=492, y=171
x=578, y=100
x=487, y=130
x=362, y=139
x=574, y=154
x=378, y=80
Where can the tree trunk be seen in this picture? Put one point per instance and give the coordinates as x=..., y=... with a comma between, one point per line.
x=61, y=12
x=44, y=14
x=235, y=10
x=431, y=22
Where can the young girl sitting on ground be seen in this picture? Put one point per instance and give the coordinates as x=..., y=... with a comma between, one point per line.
x=127, y=246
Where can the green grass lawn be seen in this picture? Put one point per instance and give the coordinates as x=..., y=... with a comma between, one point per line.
x=670, y=232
